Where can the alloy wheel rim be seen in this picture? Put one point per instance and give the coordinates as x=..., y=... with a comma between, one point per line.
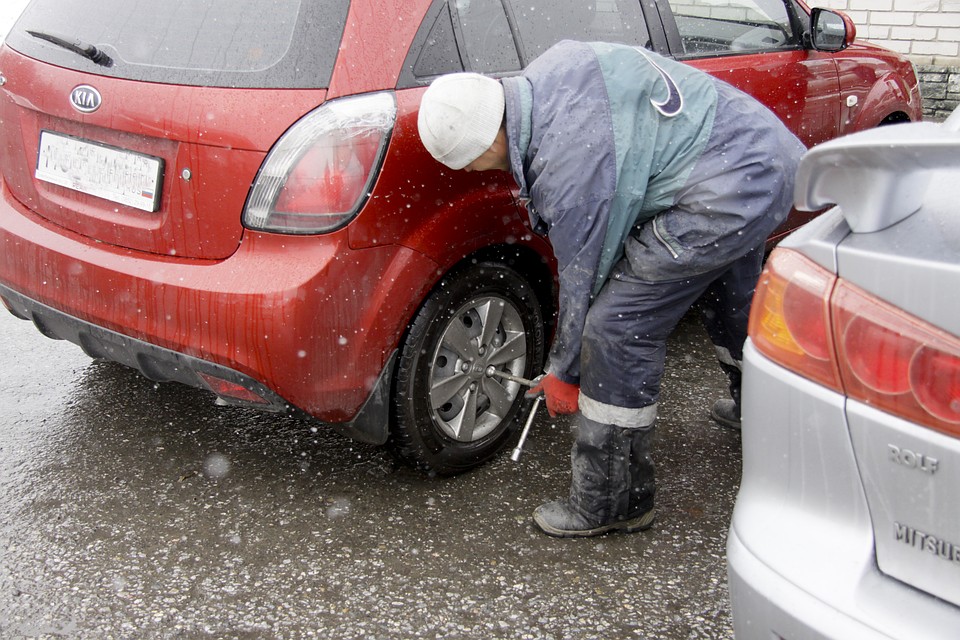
x=468, y=403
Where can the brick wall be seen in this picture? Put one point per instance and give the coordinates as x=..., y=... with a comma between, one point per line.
x=926, y=31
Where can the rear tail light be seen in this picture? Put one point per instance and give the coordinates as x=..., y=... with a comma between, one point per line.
x=318, y=175
x=896, y=362
x=829, y=331
x=790, y=317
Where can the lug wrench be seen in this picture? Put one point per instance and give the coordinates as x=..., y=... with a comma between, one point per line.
x=492, y=371
x=515, y=456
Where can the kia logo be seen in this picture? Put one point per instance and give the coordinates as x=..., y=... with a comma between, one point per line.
x=85, y=99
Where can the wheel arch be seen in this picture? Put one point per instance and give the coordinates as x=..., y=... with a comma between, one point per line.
x=889, y=101
x=538, y=270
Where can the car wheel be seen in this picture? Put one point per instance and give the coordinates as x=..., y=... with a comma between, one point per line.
x=450, y=413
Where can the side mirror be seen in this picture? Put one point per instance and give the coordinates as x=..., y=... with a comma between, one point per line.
x=831, y=30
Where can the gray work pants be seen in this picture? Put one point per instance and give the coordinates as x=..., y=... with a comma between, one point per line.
x=625, y=338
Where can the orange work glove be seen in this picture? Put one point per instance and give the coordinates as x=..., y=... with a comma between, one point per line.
x=562, y=397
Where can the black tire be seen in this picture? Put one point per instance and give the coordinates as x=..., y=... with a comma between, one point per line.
x=449, y=414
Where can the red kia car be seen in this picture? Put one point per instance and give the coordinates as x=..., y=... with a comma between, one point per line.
x=233, y=195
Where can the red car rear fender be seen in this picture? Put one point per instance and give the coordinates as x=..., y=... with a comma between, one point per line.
x=443, y=214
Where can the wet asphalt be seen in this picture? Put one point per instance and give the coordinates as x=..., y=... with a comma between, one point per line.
x=135, y=510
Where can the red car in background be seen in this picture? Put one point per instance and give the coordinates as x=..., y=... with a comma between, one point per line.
x=232, y=195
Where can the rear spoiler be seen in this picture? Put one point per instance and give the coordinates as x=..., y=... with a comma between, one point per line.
x=880, y=176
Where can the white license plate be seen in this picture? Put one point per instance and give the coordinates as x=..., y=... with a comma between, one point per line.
x=114, y=174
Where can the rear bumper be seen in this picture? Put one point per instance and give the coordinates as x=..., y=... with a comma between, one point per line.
x=153, y=362
x=301, y=321
x=767, y=605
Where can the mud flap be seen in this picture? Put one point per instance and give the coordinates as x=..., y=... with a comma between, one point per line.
x=372, y=423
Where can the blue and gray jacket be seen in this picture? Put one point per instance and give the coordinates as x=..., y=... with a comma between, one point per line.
x=603, y=137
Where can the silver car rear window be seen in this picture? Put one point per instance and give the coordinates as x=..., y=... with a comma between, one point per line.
x=229, y=43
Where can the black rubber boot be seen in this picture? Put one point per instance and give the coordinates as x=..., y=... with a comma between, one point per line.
x=726, y=411
x=612, y=487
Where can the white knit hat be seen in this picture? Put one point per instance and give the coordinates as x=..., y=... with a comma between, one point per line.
x=460, y=115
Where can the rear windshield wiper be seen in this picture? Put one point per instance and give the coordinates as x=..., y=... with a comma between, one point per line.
x=79, y=47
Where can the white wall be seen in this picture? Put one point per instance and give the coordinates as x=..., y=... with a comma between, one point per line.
x=928, y=31
x=9, y=11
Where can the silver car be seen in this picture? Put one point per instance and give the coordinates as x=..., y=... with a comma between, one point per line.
x=847, y=524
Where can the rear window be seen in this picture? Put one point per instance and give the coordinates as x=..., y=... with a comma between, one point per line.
x=220, y=43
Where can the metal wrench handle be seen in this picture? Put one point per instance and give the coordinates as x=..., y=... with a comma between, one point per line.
x=492, y=371
x=515, y=456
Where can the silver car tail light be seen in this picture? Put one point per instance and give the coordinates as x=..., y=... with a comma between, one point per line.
x=827, y=330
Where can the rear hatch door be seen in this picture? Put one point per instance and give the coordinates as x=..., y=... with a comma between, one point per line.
x=143, y=124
